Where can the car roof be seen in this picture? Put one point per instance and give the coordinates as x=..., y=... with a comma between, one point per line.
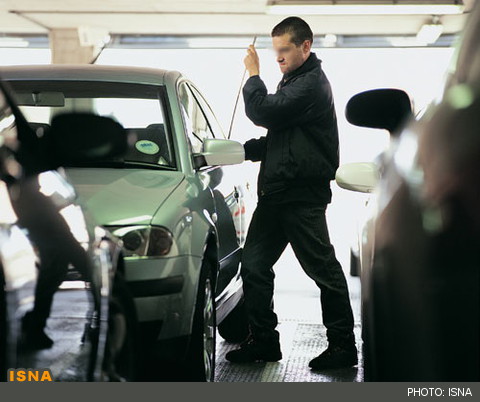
x=89, y=72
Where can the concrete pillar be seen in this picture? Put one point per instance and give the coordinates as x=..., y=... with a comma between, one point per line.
x=66, y=48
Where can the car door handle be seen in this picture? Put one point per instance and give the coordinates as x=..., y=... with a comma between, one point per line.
x=214, y=217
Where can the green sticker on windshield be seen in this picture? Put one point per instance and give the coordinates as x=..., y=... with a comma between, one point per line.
x=147, y=147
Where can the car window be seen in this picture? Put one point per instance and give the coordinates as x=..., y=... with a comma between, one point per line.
x=8, y=141
x=197, y=126
x=8, y=128
x=137, y=107
x=212, y=120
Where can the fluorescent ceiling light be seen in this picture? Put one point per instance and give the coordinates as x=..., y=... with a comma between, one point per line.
x=366, y=9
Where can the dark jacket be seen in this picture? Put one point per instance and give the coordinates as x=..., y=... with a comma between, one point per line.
x=301, y=145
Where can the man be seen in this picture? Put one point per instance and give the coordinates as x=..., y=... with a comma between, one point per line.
x=299, y=157
x=57, y=251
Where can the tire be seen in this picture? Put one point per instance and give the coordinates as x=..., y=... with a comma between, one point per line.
x=121, y=355
x=234, y=327
x=200, y=360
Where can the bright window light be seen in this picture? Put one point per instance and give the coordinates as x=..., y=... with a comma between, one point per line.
x=13, y=42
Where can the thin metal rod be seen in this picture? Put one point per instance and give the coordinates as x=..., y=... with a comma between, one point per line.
x=238, y=96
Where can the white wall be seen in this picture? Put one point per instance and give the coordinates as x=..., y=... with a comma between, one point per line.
x=16, y=56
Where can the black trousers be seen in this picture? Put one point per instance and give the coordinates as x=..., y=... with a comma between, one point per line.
x=304, y=226
x=56, y=244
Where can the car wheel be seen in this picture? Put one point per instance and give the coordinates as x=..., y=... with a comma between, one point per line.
x=200, y=362
x=121, y=357
x=234, y=327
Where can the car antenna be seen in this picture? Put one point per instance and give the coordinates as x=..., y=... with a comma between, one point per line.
x=238, y=96
x=104, y=46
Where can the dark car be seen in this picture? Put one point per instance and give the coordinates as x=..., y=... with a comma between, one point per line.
x=64, y=305
x=420, y=256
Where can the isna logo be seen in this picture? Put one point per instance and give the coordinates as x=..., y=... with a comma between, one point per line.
x=29, y=375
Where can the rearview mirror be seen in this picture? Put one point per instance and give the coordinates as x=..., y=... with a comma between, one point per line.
x=53, y=99
x=220, y=152
x=359, y=177
x=380, y=108
x=83, y=137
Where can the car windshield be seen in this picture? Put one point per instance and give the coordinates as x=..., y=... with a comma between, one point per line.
x=137, y=107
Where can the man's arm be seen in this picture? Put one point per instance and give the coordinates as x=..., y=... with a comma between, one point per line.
x=289, y=105
x=255, y=149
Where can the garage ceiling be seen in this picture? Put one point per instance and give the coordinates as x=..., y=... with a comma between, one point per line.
x=205, y=17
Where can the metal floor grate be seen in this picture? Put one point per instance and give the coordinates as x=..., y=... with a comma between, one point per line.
x=300, y=343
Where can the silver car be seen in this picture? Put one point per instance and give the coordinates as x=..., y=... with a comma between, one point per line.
x=181, y=215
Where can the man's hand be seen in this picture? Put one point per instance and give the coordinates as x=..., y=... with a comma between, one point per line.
x=251, y=61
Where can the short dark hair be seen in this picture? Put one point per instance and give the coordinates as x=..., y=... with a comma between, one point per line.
x=298, y=29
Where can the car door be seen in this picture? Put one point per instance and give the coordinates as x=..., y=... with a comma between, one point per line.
x=234, y=184
x=226, y=197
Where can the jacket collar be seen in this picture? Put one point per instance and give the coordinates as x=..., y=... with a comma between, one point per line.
x=309, y=64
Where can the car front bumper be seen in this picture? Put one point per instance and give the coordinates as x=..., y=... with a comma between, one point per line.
x=164, y=290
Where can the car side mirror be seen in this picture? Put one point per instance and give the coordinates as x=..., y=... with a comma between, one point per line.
x=83, y=137
x=388, y=109
x=220, y=152
x=360, y=177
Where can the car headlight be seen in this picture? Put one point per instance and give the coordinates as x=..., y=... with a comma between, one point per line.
x=144, y=241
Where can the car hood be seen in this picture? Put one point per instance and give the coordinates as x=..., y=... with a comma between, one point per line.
x=121, y=196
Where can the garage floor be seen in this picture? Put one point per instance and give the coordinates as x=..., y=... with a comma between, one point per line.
x=302, y=336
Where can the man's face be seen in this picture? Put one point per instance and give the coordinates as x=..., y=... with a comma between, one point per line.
x=290, y=56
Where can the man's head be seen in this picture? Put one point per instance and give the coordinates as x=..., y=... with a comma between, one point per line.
x=292, y=40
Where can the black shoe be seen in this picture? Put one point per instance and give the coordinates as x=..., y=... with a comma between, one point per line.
x=34, y=337
x=37, y=340
x=335, y=357
x=252, y=351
